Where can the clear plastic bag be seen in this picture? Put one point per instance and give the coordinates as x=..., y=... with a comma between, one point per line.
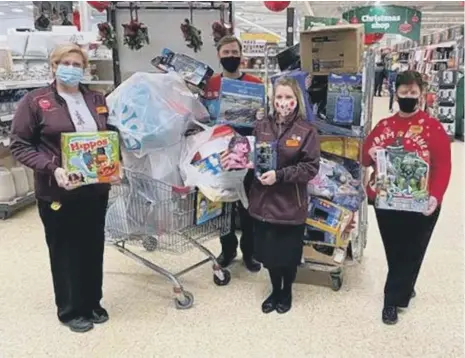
x=152, y=111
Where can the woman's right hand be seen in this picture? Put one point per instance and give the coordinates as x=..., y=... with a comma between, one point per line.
x=62, y=179
x=372, y=152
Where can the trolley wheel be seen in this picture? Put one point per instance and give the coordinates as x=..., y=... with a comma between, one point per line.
x=186, y=303
x=336, y=282
x=226, y=280
x=150, y=243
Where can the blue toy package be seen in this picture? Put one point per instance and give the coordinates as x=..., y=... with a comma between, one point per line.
x=210, y=164
x=238, y=103
x=265, y=157
x=303, y=79
x=344, y=99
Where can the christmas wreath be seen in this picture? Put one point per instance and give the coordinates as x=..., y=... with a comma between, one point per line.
x=136, y=34
x=107, y=34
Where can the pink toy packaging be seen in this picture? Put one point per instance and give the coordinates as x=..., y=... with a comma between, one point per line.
x=240, y=153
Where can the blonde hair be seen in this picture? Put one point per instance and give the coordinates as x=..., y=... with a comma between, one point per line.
x=62, y=50
x=293, y=84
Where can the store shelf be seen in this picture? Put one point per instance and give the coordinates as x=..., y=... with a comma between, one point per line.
x=6, y=117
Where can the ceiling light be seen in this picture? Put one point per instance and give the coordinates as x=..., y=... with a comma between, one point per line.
x=16, y=10
x=30, y=6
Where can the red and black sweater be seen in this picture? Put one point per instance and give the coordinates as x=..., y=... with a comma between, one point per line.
x=418, y=133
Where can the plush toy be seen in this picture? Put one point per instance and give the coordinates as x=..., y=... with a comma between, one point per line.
x=192, y=35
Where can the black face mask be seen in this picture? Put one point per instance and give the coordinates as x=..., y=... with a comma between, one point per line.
x=407, y=104
x=230, y=64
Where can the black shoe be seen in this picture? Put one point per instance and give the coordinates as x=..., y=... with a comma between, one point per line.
x=252, y=264
x=269, y=305
x=226, y=260
x=284, y=303
x=414, y=294
x=99, y=315
x=79, y=324
x=390, y=315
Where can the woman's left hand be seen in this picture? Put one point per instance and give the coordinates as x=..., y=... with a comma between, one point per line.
x=432, y=206
x=268, y=178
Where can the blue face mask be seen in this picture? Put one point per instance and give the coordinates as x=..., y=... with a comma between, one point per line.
x=69, y=75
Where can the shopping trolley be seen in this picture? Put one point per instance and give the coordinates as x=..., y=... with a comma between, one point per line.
x=162, y=217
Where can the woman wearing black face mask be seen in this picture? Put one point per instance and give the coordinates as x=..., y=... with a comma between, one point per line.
x=405, y=234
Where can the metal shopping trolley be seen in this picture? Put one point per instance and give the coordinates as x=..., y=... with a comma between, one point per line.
x=163, y=217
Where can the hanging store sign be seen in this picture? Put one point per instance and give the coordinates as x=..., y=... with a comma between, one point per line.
x=259, y=36
x=315, y=21
x=398, y=20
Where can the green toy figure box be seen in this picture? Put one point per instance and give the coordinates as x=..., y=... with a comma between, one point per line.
x=401, y=180
x=91, y=158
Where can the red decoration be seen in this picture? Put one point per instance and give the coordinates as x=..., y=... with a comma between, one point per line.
x=405, y=28
x=370, y=39
x=77, y=19
x=354, y=20
x=415, y=19
x=276, y=6
x=100, y=6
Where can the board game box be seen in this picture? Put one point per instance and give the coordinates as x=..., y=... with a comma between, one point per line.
x=206, y=210
x=239, y=102
x=401, y=180
x=91, y=158
x=265, y=157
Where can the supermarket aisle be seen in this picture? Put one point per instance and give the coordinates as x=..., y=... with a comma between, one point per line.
x=227, y=321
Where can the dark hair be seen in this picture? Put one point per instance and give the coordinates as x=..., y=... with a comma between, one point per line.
x=226, y=40
x=409, y=78
x=237, y=140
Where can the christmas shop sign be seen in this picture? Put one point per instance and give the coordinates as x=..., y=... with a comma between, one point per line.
x=398, y=20
x=314, y=21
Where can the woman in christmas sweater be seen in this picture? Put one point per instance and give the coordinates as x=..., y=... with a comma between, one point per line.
x=406, y=234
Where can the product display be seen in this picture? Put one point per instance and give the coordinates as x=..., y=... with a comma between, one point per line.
x=91, y=158
x=402, y=180
x=344, y=99
x=239, y=102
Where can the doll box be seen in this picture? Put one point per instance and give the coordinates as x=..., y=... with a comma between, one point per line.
x=91, y=158
x=239, y=102
x=401, y=180
x=329, y=219
x=241, y=153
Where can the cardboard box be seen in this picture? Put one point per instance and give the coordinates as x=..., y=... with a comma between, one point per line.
x=328, y=49
x=312, y=255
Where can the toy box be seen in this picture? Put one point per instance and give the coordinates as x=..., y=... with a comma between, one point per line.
x=210, y=164
x=240, y=153
x=206, y=210
x=91, y=158
x=303, y=79
x=401, y=180
x=239, y=102
x=190, y=69
x=344, y=99
x=327, y=222
x=265, y=157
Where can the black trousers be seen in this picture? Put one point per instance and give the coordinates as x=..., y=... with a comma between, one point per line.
x=391, y=100
x=229, y=242
x=405, y=237
x=75, y=236
x=378, y=87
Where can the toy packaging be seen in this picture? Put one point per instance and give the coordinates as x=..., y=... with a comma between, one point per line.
x=240, y=153
x=344, y=99
x=91, y=158
x=205, y=209
x=239, y=102
x=336, y=182
x=341, y=146
x=191, y=70
x=303, y=79
x=327, y=223
x=265, y=157
x=210, y=164
x=401, y=180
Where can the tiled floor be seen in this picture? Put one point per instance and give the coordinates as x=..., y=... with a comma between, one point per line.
x=227, y=321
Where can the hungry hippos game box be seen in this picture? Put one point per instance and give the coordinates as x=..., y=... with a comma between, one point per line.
x=91, y=158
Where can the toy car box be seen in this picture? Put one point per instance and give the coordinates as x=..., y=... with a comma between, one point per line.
x=91, y=158
x=401, y=180
x=239, y=102
x=328, y=219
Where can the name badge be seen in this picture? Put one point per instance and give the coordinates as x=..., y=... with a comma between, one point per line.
x=102, y=110
x=415, y=129
x=292, y=143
